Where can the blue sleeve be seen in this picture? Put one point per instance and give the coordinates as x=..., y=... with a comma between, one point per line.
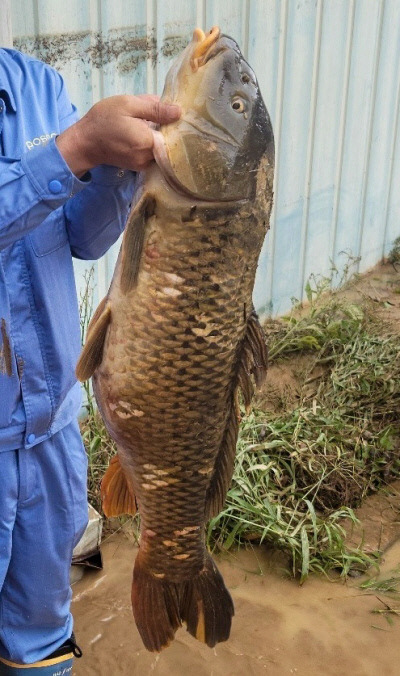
x=96, y=216
x=33, y=186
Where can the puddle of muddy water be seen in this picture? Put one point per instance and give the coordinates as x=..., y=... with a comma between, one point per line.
x=320, y=629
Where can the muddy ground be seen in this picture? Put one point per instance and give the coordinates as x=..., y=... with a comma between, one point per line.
x=322, y=628
x=325, y=627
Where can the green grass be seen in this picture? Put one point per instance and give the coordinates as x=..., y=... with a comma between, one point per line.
x=300, y=472
x=394, y=255
x=390, y=585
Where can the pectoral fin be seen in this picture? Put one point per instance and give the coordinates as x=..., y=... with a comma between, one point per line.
x=253, y=363
x=116, y=493
x=253, y=359
x=92, y=353
x=132, y=246
x=223, y=468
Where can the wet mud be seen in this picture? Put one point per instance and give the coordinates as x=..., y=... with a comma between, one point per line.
x=323, y=627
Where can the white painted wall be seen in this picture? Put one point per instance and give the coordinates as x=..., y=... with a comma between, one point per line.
x=329, y=71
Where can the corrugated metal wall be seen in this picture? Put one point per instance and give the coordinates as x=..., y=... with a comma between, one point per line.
x=329, y=72
x=5, y=24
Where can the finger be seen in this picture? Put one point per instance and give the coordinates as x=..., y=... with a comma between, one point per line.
x=142, y=158
x=144, y=164
x=147, y=108
x=142, y=136
x=150, y=97
x=143, y=161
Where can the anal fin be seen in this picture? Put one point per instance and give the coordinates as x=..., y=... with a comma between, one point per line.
x=116, y=493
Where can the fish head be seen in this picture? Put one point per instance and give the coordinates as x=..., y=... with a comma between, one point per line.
x=214, y=150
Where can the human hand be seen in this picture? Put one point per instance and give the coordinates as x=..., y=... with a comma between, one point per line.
x=115, y=131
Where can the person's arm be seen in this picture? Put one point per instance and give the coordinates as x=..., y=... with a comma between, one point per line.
x=48, y=177
x=96, y=217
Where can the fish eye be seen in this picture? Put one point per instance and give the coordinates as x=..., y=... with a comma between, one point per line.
x=238, y=105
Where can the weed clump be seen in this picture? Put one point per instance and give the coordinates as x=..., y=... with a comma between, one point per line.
x=394, y=254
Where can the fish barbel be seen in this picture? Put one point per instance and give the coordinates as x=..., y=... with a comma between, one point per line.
x=177, y=337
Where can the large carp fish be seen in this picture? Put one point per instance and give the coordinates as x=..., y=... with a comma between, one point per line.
x=177, y=338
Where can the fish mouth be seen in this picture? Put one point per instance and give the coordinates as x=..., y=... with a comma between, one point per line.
x=203, y=44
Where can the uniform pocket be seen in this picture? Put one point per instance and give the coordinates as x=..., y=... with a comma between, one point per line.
x=50, y=235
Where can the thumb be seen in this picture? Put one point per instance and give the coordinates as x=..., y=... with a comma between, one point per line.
x=152, y=109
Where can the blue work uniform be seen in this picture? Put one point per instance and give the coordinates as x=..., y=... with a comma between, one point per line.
x=47, y=216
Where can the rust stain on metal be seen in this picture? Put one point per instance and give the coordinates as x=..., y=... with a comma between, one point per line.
x=174, y=45
x=5, y=351
x=125, y=49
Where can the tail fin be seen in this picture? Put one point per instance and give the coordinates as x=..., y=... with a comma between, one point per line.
x=206, y=606
x=160, y=607
x=155, y=607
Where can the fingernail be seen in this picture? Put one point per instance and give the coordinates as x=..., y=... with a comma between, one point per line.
x=174, y=109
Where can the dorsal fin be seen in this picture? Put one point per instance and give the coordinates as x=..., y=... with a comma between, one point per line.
x=132, y=245
x=253, y=361
x=92, y=353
